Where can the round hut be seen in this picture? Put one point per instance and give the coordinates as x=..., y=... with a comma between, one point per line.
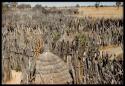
x=51, y=69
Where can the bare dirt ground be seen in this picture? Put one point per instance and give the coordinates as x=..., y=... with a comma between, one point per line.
x=101, y=12
x=16, y=78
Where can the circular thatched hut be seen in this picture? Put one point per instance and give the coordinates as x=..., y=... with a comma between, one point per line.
x=50, y=69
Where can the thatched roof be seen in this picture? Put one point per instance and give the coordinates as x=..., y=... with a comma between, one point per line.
x=50, y=69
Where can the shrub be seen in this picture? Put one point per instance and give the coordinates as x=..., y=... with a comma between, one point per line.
x=56, y=36
x=82, y=39
x=18, y=68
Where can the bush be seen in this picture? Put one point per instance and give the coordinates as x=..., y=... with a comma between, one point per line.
x=56, y=36
x=101, y=6
x=18, y=68
x=5, y=8
x=82, y=39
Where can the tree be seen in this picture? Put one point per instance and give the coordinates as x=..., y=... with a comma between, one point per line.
x=77, y=5
x=118, y=4
x=37, y=6
x=53, y=7
x=97, y=4
x=5, y=7
x=13, y=4
x=101, y=6
x=23, y=6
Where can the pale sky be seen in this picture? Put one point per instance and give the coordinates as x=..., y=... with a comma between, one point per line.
x=61, y=4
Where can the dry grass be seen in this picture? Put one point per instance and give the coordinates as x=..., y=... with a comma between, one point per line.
x=107, y=47
x=101, y=11
x=113, y=50
x=16, y=78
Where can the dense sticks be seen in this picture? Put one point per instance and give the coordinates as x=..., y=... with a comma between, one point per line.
x=75, y=40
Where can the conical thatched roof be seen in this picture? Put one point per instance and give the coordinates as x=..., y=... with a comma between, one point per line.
x=50, y=69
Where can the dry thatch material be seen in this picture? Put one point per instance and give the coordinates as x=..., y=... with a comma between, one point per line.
x=6, y=70
x=50, y=69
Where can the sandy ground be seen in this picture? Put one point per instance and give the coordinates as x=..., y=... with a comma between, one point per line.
x=101, y=12
x=16, y=78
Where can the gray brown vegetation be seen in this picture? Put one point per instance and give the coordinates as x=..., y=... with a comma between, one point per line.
x=61, y=46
